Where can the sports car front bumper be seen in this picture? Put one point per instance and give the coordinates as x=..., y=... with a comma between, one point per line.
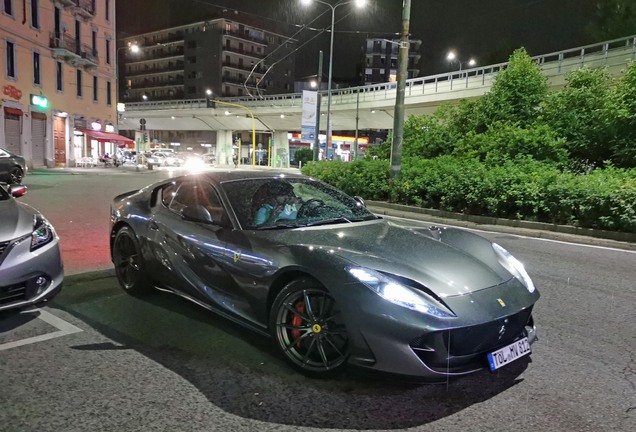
x=29, y=277
x=392, y=339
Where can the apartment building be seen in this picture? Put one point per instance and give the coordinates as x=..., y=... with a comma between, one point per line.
x=228, y=57
x=380, y=62
x=58, y=82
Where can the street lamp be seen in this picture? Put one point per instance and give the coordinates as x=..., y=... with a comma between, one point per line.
x=452, y=57
x=131, y=47
x=358, y=3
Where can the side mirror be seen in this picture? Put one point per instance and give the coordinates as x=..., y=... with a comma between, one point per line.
x=17, y=191
x=196, y=213
x=359, y=200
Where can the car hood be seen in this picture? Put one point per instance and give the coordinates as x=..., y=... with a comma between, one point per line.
x=17, y=219
x=447, y=261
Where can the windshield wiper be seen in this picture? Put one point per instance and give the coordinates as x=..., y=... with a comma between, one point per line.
x=330, y=221
x=277, y=226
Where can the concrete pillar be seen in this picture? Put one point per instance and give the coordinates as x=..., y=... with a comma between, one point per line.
x=280, y=150
x=224, y=147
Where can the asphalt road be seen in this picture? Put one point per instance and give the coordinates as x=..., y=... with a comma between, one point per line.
x=97, y=359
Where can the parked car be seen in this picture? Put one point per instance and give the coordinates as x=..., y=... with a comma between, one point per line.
x=127, y=156
x=31, y=269
x=331, y=283
x=12, y=167
x=209, y=158
x=164, y=159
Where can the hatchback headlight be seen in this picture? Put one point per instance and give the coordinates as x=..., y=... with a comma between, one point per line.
x=513, y=265
x=395, y=292
x=42, y=233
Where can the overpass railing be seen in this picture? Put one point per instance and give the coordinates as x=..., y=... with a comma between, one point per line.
x=612, y=54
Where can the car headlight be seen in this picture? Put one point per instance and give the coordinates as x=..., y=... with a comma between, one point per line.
x=397, y=293
x=513, y=265
x=42, y=233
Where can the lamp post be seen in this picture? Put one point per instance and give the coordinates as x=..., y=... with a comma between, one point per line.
x=359, y=3
x=133, y=48
x=452, y=57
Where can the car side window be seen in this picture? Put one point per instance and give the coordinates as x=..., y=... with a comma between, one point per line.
x=198, y=194
x=167, y=194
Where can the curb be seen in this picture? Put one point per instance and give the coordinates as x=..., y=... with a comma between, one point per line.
x=620, y=240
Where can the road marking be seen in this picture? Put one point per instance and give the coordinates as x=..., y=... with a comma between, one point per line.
x=516, y=235
x=63, y=328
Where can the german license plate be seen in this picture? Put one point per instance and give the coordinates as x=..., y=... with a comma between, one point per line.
x=509, y=353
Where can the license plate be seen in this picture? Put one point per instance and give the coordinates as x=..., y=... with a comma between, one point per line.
x=509, y=353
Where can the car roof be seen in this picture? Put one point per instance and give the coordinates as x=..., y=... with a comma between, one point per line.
x=233, y=174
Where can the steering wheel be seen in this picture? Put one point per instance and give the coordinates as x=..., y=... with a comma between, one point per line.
x=309, y=207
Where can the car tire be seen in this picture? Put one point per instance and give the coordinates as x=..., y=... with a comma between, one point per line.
x=16, y=175
x=130, y=267
x=312, y=339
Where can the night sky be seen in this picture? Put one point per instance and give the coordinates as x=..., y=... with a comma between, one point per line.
x=488, y=30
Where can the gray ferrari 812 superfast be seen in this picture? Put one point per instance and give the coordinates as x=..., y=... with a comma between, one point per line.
x=333, y=284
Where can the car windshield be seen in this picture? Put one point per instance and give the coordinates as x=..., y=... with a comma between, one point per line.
x=275, y=203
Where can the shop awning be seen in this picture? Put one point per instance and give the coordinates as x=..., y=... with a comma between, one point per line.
x=109, y=137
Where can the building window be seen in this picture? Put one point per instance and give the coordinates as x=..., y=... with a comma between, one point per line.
x=95, y=90
x=8, y=7
x=58, y=73
x=109, y=97
x=107, y=51
x=107, y=9
x=37, y=72
x=35, y=17
x=11, y=66
x=94, y=43
x=79, y=83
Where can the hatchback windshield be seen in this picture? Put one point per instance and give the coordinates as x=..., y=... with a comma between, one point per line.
x=273, y=203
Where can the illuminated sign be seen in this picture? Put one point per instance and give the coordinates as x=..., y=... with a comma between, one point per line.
x=12, y=92
x=39, y=101
x=121, y=107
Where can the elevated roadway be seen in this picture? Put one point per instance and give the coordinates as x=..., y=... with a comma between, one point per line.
x=373, y=104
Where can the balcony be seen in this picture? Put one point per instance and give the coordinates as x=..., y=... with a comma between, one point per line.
x=238, y=82
x=259, y=69
x=243, y=52
x=149, y=84
x=171, y=37
x=156, y=70
x=84, y=8
x=70, y=50
x=244, y=37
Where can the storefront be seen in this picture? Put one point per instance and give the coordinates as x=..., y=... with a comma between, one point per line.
x=97, y=143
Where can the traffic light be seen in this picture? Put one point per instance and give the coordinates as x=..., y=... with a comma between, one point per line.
x=146, y=140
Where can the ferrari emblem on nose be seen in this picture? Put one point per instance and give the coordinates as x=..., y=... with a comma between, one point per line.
x=501, y=302
x=237, y=255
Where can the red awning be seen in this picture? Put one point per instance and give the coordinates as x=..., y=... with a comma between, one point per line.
x=108, y=137
x=14, y=111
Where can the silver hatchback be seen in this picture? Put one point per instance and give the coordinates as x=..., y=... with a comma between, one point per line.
x=31, y=269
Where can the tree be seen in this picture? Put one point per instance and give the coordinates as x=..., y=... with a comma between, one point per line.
x=517, y=92
x=624, y=140
x=581, y=113
x=303, y=155
x=615, y=19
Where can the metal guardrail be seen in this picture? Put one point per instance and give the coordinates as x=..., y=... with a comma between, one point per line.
x=613, y=53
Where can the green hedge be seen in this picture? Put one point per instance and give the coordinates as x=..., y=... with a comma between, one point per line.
x=522, y=189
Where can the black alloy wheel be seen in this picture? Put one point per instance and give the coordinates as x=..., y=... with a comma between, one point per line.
x=308, y=327
x=16, y=175
x=129, y=264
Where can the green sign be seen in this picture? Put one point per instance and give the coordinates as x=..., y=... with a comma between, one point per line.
x=40, y=101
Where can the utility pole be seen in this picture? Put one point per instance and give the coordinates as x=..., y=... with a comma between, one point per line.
x=398, y=118
x=318, y=100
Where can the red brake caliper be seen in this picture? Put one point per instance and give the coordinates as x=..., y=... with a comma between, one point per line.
x=296, y=320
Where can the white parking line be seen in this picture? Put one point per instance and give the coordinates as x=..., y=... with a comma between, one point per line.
x=63, y=328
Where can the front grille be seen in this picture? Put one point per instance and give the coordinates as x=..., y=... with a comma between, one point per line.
x=13, y=293
x=464, y=348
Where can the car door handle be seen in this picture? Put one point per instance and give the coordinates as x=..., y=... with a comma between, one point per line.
x=154, y=226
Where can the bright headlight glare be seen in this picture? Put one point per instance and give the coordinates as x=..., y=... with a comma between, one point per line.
x=397, y=293
x=514, y=266
x=42, y=232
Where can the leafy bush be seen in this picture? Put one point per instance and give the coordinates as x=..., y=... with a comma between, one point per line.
x=303, y=155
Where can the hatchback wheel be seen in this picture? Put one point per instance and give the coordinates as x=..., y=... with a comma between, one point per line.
x=308, y=327
x=129, y=264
